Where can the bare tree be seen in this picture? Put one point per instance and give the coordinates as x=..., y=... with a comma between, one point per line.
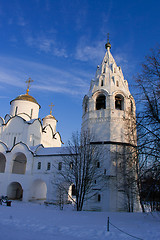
x=128, y=163
x=150, y=190
x=149, y=112
x=148, y=124
x=61, y=196
x=80, y=169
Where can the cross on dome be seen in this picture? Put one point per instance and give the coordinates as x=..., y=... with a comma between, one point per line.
x=107, y=37
x=28, y=86
x=51, y=106
x=108, y=45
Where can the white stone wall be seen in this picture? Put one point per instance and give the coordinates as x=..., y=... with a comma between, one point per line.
x=36, y=183
x=29, y=108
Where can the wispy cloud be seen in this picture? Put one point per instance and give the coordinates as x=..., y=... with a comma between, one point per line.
x=42, y=43
x=46, y=78
x=21, y=21
x=3, y=97
x=92, y=51
x=58, y=89
x=124, y=60
x=46, y=44
x=10, y=77
x=121, y=59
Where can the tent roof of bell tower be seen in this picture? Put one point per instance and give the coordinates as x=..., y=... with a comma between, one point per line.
x=108, y=75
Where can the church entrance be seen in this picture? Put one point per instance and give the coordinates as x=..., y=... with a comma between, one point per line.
x=38, y=191
x=15, y=191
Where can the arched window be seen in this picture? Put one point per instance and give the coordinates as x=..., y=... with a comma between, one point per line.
x=119, y=102
x=14, y=141
x=102, y=83
x=48, y=166
x=98, y=164
x=39, y=166
x=99, y=198
x=16, y=110
x=100, y=102
x=31, y=112
x=60, y=166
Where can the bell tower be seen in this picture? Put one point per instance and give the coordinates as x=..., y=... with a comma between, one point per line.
x=108, y=103
x=109, y=116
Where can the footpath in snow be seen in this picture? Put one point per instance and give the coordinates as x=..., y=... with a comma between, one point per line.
x=31, y=221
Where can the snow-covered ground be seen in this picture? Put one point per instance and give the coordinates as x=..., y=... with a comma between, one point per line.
x=30, y=221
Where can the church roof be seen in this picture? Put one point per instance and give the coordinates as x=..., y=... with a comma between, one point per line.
x=49, y=117
x=109, y=77
x=26, y=97
x=53, y=151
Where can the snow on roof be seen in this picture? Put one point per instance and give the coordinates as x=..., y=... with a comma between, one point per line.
x=32, y=120
x=52, y=151
x=35, y=148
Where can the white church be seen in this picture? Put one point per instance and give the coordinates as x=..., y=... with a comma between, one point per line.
x=31, y=151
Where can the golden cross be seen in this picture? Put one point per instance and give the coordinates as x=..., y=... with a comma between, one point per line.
x=51, y=108
x=29, y=82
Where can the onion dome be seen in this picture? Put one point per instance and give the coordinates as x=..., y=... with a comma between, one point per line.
x=49, y=117
x=26, y=97
x=50, y=120
x=25, y=105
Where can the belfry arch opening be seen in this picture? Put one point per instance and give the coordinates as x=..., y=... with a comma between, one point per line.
x=15, y=191
x=101, y=102
x=119, y=102
x=19, y=164
x=2, y=163
x=38, y=191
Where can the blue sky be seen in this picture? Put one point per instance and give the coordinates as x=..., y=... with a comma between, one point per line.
x=59, y=44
